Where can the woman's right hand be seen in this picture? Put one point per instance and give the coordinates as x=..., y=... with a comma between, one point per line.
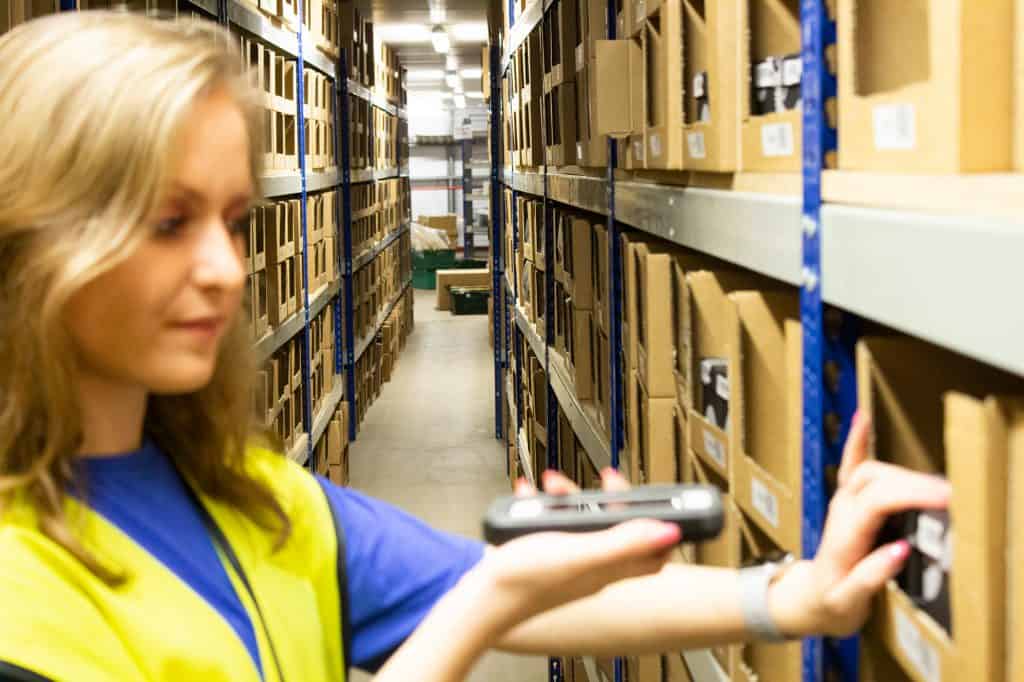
x=538, y=572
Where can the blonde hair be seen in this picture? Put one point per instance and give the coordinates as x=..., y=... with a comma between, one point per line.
x=92, y=105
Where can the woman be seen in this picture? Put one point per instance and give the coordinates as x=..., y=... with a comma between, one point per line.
x=146, y=532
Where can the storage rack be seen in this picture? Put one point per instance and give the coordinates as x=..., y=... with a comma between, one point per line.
x=236, y=16
x=864, y=261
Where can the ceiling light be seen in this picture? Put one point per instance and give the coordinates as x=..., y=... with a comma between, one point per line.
x=474, y=32
x=451, y=80
x=472, y=73
x=423, y=75
x=458, y=88
x=451, y=62
x=439, y=37
x=460, y=102
x=475, y=95
x=402, y=33
x=438, y=14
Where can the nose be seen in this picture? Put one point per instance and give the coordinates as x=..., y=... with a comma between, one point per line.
x=219, y=264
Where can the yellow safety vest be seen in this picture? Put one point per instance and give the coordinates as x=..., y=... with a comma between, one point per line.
x=60, y=621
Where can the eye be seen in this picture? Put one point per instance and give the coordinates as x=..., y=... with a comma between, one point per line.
x=240, y=226
x=169, y=227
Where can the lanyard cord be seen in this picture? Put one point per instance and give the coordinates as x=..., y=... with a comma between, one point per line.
x=221, y=542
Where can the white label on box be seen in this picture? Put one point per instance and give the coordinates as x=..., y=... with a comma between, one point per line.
x=722, y=386
x=579, y=151
x=916, y=649
x=895, y=127
x=792, y=68
x=640, y=11
x=929, y=539
x=764, y=501
x=714, y=447
x=638, y=149
x=777, y=139
x=695, y=141
x=579, y=57
x=655, y=141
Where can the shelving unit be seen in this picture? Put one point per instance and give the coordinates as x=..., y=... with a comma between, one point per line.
x=950, y=277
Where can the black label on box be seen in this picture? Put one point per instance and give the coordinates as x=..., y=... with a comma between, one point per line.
x=714, y=391
x=925, y=576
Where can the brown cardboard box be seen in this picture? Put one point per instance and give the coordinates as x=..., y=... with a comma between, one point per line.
x=657, y=451
x=770, y=142
x=338, y=474
x=601, y=358
x=591, y=148
x=1018, y=88
x=664, y=89
x=1015, y=559
x=579, y=342
x=579, y=264
x=628, y=241
x=767, y=415
x=446, y=279
x=713, y=324
x=710, y=45
x=941, y=422
x=925, y=87
x=599, y=276
x=612, y=112
x=675, y=668
x=644, y=669
x=560, y=124
x=877, y=664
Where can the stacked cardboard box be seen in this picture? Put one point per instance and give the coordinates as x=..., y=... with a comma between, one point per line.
x=357, y=42
x=318, y=94
x=559, y=85
x=360, y=145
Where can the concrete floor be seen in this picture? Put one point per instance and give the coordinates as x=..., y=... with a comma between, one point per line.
x=427, y=445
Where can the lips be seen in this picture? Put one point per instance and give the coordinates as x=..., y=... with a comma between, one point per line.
x=207, y=326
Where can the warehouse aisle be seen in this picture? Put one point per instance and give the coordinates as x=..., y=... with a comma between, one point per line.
x=428, y=446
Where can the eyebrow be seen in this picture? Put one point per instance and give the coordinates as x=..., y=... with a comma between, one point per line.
x=196, y=197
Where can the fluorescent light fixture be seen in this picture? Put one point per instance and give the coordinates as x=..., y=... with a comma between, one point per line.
x=402, y=33
x=460, y=102
x=438, y=14
x=423, y=75
x=452, y=80
x=458, y=88
x=473, y=32
x=475, y=95
x=446, y=95
x=472, y=73
x=439, y=37
x=451, y=62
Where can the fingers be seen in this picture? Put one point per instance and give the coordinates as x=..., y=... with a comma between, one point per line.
x=849, y=599
x=855, y=452
x=613, y=481
x=556, y=483
x=524, y=488
x=637, y=539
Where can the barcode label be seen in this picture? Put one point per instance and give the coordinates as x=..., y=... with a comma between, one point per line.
x=715, y=448
x=792, y=68
x=765, y=502
x=579, y=57
x=722, y=386
x=777, y=140
x=695, y=141
x=655, y=141
x=930, y=539
x=920, y=654
x=895, y=127
x=579, y=151
x=638, y=149
x=640, y=11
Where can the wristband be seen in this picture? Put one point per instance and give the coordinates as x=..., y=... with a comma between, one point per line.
x=754, y=584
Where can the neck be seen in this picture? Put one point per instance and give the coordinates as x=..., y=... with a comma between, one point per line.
x=113, y=414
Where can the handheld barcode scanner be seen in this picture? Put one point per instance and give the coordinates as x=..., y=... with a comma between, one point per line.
x=696, y=509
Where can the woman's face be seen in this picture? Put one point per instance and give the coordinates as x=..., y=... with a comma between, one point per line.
x=156, y=321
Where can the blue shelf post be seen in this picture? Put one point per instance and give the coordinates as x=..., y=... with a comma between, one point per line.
x=819, y=139
x=307, y=366
x=497, y=243
x=346, y=228
x=339, y=221
x=467, y=201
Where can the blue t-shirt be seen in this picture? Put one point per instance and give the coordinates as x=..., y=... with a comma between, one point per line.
x=397, y=566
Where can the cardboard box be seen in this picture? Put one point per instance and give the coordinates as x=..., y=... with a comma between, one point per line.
x=560, y=124
x=559, y=34
x=615, y=63
x=591, y=148
x=599, y=276
x=942, y=422
x=601, y=358
x=579, y=344
x=768, y=32
x=446, y=279
x=657, y=451
x=1015, y=558
x=713, y=325
x=767, y=414
x=1018, y=88
x=664, y=88
x=925, y=87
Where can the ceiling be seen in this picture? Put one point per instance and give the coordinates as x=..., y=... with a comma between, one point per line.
x=421, y=55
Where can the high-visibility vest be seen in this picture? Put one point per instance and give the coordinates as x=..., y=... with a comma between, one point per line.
x=60, y=621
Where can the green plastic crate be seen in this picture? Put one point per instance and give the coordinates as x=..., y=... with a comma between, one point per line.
x=470, y=300
x=424, y=279
x=467, y=264
x=439, y=259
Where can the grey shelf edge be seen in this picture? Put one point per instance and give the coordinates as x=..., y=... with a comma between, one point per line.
x=530, y=17
x=962, y=296
x=208, y=6
x=532, y=337
x=375, y=251
x=371, y=174
x=285, y=40
x=593, y=441
x=323, y=418
x=364, y=93
x=760, y=232
x=525, y=461
x=703, y=666
x=320, y=181
x=508, y=283
x=300, y=450
x=365, y=342
x=280, y=185
x=266, y=346
x=321, y=301
x=318, y=60
x=593, y=672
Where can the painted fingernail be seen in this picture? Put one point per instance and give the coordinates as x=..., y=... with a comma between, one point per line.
x=900, y=550
x=608, y=471
x=668, y=533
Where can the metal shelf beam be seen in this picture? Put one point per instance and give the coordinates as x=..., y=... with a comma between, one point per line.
x=208, y=6
x=300, y=450
x=330, y=405
x=372, y=174
x=961, y=295
x=286, y=41
x=368, y=256
x=532, y=337
x=276, y=338
x=525, y=461
x=591, y=437
x=703, y=666
x=365, y=342
x=379, y=101
x=316, y=182
x=530, y=17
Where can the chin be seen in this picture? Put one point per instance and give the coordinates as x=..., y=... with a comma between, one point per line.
x=182, y=378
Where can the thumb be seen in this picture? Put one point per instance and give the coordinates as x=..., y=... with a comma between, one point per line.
x=637, y=539
x=850, y=597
